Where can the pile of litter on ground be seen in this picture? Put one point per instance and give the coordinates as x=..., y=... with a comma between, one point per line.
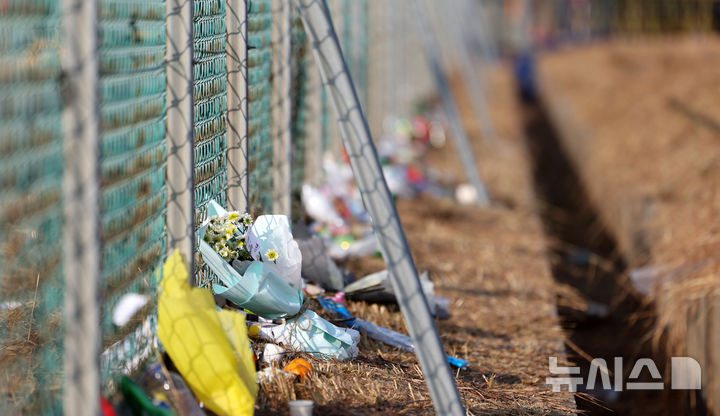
x=492, y=265
x=287, y=326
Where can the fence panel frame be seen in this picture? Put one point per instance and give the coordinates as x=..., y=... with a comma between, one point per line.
x=81, y=192
x=281, y=106
x=237, y=97
x=179, y=130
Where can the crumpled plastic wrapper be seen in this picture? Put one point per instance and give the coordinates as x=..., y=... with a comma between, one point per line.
x=312, y=334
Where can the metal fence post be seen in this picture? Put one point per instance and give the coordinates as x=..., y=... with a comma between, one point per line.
x=237, y=103
x=81, y=189
x=179, y=130
x=368, y=172
x=281, y=104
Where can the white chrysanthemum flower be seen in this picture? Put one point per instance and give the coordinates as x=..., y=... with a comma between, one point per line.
x=272, y=255
x=247, y=220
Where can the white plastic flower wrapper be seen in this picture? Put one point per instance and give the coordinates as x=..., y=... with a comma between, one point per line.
x=272, y=232
x=261, y=287
x=312, y=334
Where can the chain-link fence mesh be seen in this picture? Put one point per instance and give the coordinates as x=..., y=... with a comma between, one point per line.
x=209, y=111
x=260, y=146
x=397, y=72
x=301, y=64
x=31, y=169
x=134, y=151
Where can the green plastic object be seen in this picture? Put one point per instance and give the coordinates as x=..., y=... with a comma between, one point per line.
x=138, y=402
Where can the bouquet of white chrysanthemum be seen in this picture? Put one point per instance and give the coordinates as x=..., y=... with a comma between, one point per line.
x=226, y=235
x=258, y=267
x=257, y=262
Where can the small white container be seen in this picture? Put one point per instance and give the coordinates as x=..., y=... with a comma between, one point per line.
x=301, y=407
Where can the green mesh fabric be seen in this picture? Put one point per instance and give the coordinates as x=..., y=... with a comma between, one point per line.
x=132, y=84
x=31, y=167
x=209, y=110
x=260, y=149
x=300, y=108
x=133, y=153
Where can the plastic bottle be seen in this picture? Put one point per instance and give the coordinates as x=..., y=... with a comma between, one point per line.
x=173, y=392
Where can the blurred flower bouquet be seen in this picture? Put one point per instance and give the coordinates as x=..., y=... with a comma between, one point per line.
x=226, y=235
x=258, y=264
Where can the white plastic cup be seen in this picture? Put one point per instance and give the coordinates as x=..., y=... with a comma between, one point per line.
x=301, y=407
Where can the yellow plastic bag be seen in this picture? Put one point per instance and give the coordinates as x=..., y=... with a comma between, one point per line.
x=209, y=347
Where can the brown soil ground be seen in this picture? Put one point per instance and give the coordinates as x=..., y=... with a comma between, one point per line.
x=640, y=120
x=492, y=264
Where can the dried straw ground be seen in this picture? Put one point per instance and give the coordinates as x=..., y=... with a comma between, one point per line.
x=644, y=122
x=492, y=264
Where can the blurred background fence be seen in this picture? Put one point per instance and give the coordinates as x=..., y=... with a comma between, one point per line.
x=287, y=125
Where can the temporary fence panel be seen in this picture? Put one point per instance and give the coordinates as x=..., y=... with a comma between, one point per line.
x=397, y=77
x=31, y=212
x=133, y=154
x=331, y=135
x=209, y=111
x=459, y=135
x=452, y=23
x=237, y=115
x=260, y=146
x=368, y=173
x=280, y=103
x=351, y=20
x=360, y=10
x=308, y=117
x=379, y=71
x=302, y=116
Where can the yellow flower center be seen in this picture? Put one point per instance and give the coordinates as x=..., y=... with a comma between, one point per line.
x=271, y=254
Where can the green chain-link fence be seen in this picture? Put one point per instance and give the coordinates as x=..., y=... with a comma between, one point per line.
x=133, y=156
x=260, y=146
x=31, y=166
x=133, y=153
